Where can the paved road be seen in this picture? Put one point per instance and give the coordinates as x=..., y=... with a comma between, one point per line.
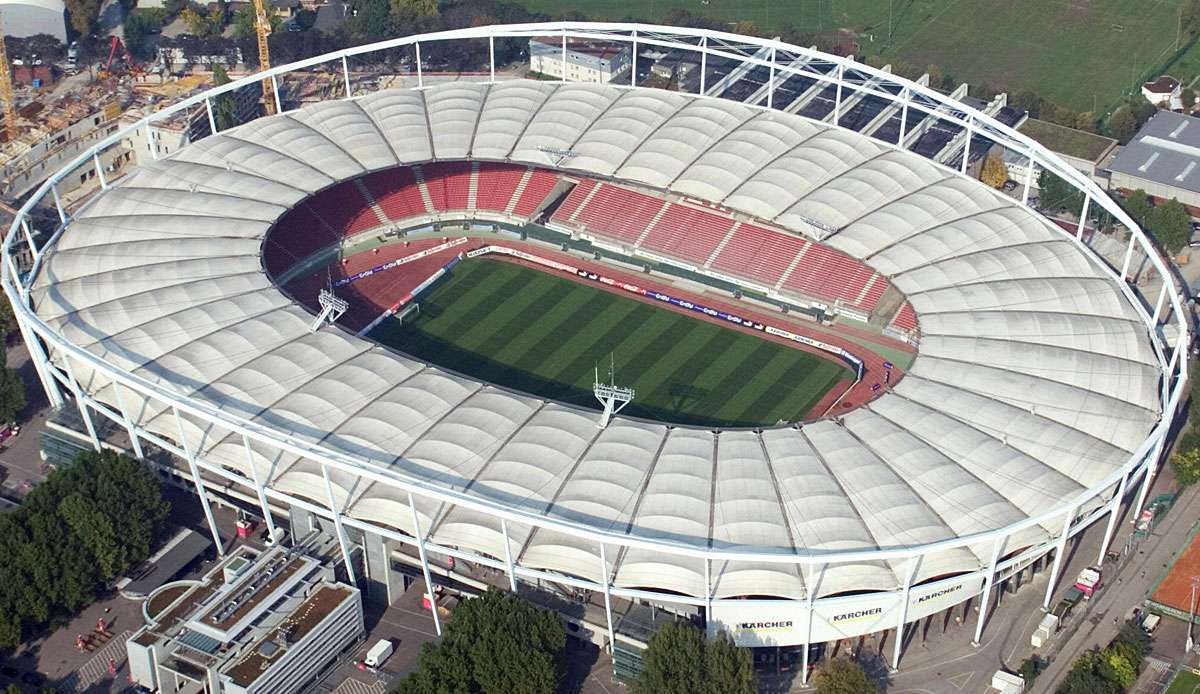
x=1119, y=597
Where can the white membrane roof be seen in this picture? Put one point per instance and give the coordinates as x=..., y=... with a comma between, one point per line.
x=1035, y=380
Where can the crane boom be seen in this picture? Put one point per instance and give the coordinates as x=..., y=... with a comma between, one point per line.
x=6, y=91
x=262, y=27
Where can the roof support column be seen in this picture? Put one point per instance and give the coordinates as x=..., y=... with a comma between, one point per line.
x=491, y=57
x=62, y=213
x=1028, y=180
x=212, y=119
x=1059, y=550
x=437, y=621
x=260, y=489
x=989, y=582
x=910, y=575
x=966, y=149
x=703, y=65
x=1162, y=297
x=337, y=525
x=906, y=96
x=708, y=591
x=346, y=76
x=99, y=171
x=420, y=83
x=837, y=100
x=1087, y=202
x=27, y=231
x=612, y=634
x=40, y=361
x=1151, y=469
x=1114, y=509
x=134, y=441
x=199, y=482
x=771, y=81
x=80, y=401
x=508, y=560
x=1128, y=258
x=564, y=56
x=275, y=92
x=633, y=71
x=810, y=587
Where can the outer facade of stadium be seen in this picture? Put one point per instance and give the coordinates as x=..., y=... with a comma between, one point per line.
x=1040, y=397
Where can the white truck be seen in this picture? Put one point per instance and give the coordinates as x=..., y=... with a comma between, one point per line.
x=378, y=653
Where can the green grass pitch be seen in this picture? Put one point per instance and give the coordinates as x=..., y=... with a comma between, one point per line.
x=541, y=334
x=1184, y=683
x=1066, y=50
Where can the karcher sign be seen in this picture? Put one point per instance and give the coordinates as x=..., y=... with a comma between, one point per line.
x=759, y=622
x=936, y=597
x=842, y=619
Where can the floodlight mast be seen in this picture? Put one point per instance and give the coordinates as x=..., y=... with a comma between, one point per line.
x=332, y=308
x=613, y=397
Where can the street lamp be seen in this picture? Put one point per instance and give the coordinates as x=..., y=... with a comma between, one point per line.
x=1192, y=612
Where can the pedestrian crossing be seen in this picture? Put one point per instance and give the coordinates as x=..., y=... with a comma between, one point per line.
x=353, y=686
x=96, y=668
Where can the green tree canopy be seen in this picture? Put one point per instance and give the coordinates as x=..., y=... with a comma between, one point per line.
x=1058, y=195
x=843, y=676
x=83, y=527
x=493, y=644
x=1137, y=204
x=1122, y=124
x=680, y=660
x=1171, y=225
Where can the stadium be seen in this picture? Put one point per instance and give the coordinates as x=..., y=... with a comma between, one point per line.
x=239, y=303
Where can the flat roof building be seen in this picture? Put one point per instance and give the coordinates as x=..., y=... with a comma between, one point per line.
x=1163, y=159
x=257, y=622
x=585, y=61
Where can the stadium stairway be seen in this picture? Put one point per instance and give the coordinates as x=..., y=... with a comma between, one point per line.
x=721, y=246
x=889, y=304
x=512, y=203
x=424, y=188
x=370, y=198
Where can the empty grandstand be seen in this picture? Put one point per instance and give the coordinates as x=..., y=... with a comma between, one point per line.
x=1039, y=398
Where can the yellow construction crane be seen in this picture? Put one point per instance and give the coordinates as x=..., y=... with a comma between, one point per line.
x=262, y=27
x=6, y=91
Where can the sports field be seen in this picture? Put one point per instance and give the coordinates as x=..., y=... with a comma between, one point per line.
x=1184, y=683
x=541, y=334
x=1069, y=51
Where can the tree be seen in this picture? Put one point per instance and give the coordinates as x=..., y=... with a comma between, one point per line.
x=1056, y=194
x=1189, y=18
x=83, y=14
x=1137, y=204
x=1122, y=124
x=12, y=394
x=493, y=644
x=727, y=668
x=224, y=106
x=843, y=676
x=1086, y=121
x=245, y=20
x=81, y=528
x=995, y=172
x=1186, y=464
x=673, y=662
x=1030, y=668
x=680, y=660
x=1171, y=225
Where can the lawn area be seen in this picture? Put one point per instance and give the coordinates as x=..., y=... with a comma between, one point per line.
x=1066, y=50
x=1184, y=683
x=541, y=334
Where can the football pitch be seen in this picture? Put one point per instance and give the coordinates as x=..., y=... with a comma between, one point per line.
x=524, y=329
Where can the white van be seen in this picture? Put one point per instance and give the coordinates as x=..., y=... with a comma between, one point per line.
x=378, y=653
x=1150, y=623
